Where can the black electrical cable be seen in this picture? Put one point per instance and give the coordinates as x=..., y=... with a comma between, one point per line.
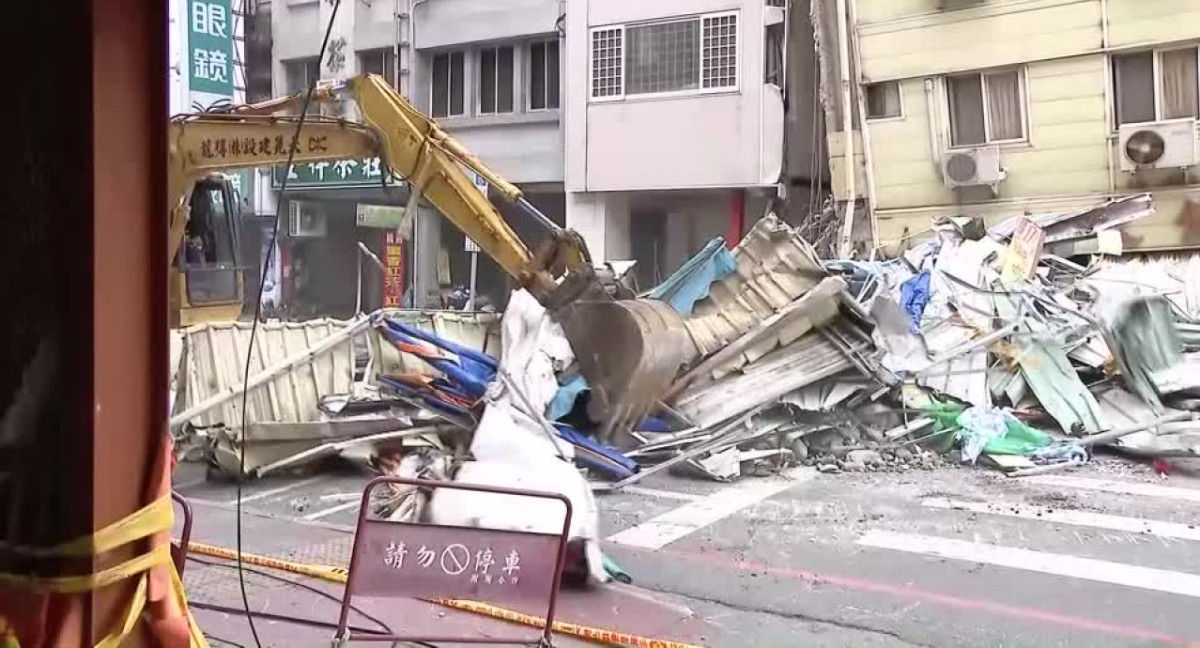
x=213, y=637
x=316, y=590
x=258, y=314
x=305, y=586
x=283, y=618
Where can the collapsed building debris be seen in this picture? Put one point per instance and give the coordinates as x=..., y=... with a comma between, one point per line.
x=978, y=340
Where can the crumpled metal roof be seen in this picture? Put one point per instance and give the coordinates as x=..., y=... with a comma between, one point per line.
x=775, y=265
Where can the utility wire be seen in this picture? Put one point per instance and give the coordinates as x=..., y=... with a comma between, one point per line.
x=295, y=143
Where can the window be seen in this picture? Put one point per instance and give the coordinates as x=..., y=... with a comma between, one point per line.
x=495, y=80
x=662, y=57
x=379, y=61
x=447, y=82
x=543, y=75
x=883, y=100
x=719, y=56
x=1150, y=86
x=209, y=250
x=986, y=108
x=607, y=57
x=301, y=74
x=691, y=55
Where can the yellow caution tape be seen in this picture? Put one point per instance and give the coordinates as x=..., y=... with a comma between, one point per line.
x=326, y=572
x=153, y=518
x=340, y=575
x=574, y=629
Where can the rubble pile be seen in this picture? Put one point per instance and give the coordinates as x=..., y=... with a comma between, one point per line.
x=976, y=345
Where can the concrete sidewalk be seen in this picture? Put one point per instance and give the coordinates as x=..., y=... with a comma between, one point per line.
x=214, y=582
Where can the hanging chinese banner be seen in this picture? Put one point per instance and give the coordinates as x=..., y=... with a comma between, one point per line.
x=393, y=269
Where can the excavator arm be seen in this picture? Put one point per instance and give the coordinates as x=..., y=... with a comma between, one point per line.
x=628, y=350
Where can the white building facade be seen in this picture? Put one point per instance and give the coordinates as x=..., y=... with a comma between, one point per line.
x=674, y=123
x=488, y=71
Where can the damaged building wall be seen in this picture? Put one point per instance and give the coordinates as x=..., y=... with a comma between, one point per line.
x=806, y=166
x=653, y=164
x=1068, y=155
x=834, y=99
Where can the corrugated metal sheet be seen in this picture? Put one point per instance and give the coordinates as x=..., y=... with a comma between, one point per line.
x=215, y=356
x=964, y=377
x=1175, y=275
x=775, y=265
x=215, y=361
x=805, y=361
x=825, y=395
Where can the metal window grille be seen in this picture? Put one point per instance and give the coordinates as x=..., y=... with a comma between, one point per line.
x=662, y=57
x=607, y=71
x=718, y=57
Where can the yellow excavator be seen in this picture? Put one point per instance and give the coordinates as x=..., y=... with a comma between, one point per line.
x=629, y=350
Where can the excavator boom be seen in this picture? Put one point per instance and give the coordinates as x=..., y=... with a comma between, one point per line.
x=628, y=350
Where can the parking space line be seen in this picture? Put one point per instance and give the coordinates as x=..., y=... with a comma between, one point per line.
x=276, y=491
x=662, y=494
x=1115, y=486
x=1101, y=571
x=331, y=510
x=1076, y=518
x=689, y=518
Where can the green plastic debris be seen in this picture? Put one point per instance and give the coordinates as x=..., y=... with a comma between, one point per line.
x=985, y=430
x=1020, y=440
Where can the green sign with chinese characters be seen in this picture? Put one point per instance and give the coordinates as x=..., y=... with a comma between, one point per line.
x=210, y=46
x=380, y=216
x=362, y=172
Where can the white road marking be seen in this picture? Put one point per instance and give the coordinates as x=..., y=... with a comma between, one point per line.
x=331, y=510
x=662, y=494
x=1076, y=518
x=1115, y=486
x=689, y=518
x=341, y=497
x=276, y=491
x=1091, y=569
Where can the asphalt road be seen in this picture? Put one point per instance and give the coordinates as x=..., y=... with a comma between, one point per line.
x=1108, y=555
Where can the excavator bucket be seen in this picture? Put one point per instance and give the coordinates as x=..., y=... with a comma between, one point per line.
x=630, y=352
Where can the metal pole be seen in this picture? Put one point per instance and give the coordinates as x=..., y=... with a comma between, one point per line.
x=474, y=274
x=358, y=283
x=845, y=245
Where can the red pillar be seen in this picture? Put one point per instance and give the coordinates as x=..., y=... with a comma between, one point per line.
x=737, y=218
x=83, y=254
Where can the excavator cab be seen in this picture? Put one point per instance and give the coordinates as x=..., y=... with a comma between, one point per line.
x=209, y=283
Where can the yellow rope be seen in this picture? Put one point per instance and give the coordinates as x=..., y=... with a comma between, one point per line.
x=339, y=575
x=155, y=517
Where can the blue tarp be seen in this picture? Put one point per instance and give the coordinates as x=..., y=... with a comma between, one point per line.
x=914, y=295
x=564, y=399
x=593, y=455
x=689, y=284
x=468, y=372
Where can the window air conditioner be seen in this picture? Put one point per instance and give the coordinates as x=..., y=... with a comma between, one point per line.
x=1162, y=145
x=972, y=167
x=305, y=220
